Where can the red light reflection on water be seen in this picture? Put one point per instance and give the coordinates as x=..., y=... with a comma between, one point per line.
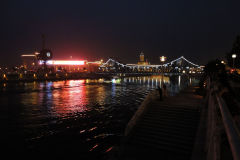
x=95, y=146
x=109, y=149
x=71, y=98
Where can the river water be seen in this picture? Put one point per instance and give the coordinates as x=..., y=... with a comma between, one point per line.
x=84, y=117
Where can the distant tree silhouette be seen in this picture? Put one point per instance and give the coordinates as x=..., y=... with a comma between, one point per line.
x=235, y=50
x=213, y=67
x=216, y=71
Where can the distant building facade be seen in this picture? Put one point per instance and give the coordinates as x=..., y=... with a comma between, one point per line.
x=141, y=60
x=32, y=62
x=29, y=61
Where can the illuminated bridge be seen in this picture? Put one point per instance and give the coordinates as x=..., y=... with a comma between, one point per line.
x=179, y=65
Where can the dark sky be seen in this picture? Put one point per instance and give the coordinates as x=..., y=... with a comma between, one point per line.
x=200, y=30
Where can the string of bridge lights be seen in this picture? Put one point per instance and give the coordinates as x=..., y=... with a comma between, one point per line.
x=166, y=64
x=183, y=59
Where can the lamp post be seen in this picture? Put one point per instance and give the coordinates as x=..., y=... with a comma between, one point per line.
x=162, y=60
x=233, y=57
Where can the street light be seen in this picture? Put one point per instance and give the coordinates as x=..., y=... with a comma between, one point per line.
x=162, y=59
x=233, y=57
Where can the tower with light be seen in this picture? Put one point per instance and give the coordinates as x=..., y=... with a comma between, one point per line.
x=45, y=54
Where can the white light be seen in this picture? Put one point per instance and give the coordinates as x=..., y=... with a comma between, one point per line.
x=28, y=55
x=48, y=54
x=113, y=81
x=162, y=58
x=55, y=62
x=234, y=56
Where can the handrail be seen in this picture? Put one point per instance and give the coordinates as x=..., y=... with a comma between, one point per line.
x=230, y=128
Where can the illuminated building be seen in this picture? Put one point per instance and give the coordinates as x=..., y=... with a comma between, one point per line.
x=142, y=62
x=42, y=61
x=73, y=65
x=29, y=61
x=67, y=66
x=141, y=57
x=94, y=66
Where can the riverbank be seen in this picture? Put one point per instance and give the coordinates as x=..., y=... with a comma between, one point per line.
x=164, y=129
x=14, y=78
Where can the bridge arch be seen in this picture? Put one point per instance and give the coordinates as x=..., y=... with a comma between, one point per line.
x=180, y=63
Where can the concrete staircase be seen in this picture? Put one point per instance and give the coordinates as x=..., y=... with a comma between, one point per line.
x=166, y=130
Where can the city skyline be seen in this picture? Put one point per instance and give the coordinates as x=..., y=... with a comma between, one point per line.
x=198, y=30
x=123, y=79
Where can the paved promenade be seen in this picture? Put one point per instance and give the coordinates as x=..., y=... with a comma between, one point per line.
x=164, y=129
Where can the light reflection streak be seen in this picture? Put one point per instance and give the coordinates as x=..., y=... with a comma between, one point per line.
x=93, y=147
x=101, y=95
x=113, y=89
x=109, y=149
x=70, y=99
x=64, y=97
x=33, y=100
x=179, y=81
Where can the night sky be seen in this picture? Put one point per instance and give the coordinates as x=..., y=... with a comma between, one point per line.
x=200, y=30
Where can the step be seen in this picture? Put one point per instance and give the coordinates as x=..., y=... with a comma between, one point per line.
x=163, y=145
x=165, y=133
x=178, y=121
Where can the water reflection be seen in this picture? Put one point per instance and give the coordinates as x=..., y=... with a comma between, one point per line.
x=147, y=80
x=179, y=81
x=71, y=98
x=100, y=95
x=94, y=110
